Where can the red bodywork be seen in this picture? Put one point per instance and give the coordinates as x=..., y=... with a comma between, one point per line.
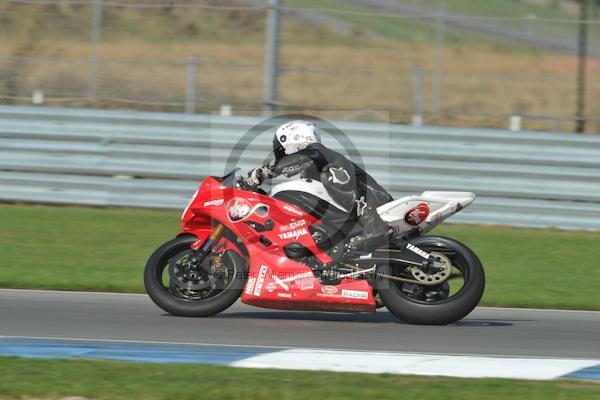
x=274, y=280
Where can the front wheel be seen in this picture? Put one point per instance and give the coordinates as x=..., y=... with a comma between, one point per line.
x=176, y=286
x=455, y=297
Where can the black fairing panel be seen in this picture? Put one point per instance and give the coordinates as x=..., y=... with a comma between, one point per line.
x=313, y=205
x=337, y=223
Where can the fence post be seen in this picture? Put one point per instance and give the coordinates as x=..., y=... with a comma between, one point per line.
x=581, y=66
x=191, y=95
x=417, y=118
x=95, y=36
x=440, y=38
x=271, y=58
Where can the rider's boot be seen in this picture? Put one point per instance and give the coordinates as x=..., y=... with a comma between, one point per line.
x=330, y=274
x=375, y=231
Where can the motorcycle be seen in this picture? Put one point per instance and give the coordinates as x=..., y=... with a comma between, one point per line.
x=279, y=250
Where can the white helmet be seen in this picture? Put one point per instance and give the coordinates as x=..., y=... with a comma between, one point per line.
x=293, y=136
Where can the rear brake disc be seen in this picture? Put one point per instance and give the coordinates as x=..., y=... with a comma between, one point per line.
x=439, y=277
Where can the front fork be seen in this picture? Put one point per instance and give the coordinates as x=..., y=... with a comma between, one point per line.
x=200, y=248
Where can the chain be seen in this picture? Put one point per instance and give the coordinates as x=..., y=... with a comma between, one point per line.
x=392, y=277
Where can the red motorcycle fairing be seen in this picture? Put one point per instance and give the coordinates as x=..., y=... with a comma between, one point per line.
x=265, y=225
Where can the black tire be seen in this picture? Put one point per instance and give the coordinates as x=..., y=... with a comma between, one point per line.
x=445, y=311
x=172, y=304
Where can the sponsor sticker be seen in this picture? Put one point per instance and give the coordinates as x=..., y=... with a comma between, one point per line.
x=418, y=251
x=416, y=215
x=295, y=234
x=328, y=295
x=250, y=285
x=303, y=281
x=329, y=289
x=216, y=202
x=260, y=280
x=238, y=208
x=281, y=283
x=271, y=287
x=355, y=294
x=291, y=169
x=292, y=210
x=293, y=225
x=286, y=295
x=294, y=169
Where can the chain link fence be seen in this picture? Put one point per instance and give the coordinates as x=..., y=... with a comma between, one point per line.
x=497, y=63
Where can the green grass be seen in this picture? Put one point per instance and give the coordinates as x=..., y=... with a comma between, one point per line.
x=116, y=380
x=498, y=8
x=189, y=24
x=411, y=30
x=78, y=248
x=398, y=29
x=72, y=22
x=75, y=248
x=535, y=267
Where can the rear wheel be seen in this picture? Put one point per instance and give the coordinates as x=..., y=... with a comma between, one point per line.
x=180, y=288
x=461, y=285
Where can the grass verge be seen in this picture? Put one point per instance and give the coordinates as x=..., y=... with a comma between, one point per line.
x=78, y=248
x=23, y=378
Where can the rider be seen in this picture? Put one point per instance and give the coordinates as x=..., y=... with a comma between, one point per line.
x=298, y=149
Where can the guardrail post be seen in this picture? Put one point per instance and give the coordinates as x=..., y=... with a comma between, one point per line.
x=516, y=122
x=191, y=97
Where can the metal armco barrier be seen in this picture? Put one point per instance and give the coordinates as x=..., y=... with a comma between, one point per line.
x=156, y=160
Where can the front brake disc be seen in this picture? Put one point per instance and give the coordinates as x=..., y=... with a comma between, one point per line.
x=183, y=275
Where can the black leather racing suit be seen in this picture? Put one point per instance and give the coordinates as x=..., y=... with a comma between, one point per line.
x=346, y=183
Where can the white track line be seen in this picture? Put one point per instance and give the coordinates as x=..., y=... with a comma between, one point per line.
x=127, y=341
x=464, y=366
x=417, y=364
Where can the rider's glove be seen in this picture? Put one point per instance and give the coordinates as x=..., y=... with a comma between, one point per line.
x=255, y=177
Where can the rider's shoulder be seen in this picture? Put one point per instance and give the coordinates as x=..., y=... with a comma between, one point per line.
x=316, y=147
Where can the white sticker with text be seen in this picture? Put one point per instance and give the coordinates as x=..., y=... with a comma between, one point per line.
x=291, y=209
x=250, y=285
x=216, y=202
x=295, y=234
x=260, y=280
x=355, y=294
x=293, y=225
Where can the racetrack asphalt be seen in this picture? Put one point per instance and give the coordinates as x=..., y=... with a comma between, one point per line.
x=129, y=317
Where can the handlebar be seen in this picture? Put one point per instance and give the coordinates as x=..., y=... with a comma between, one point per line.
x=243, y=184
